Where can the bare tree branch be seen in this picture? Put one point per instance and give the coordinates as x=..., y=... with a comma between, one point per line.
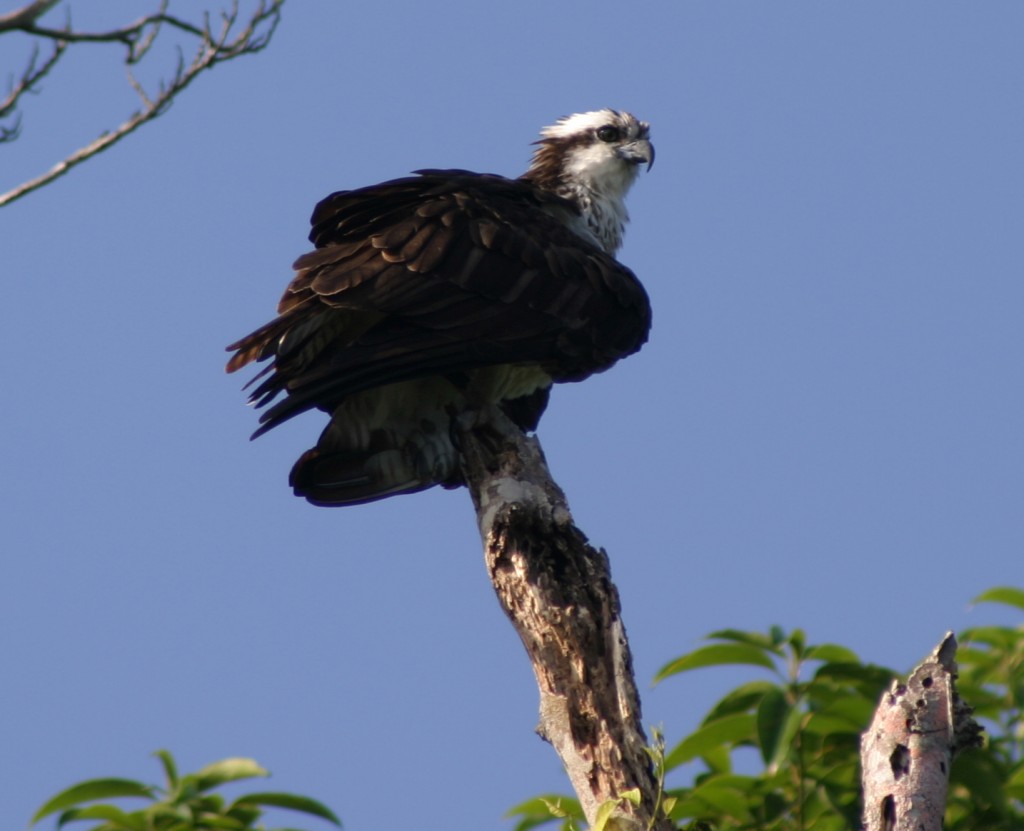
x=26, y=15
x=9, y=132
x=558, y=592
x=31, y=75
x=137, y=38
x=906, y=752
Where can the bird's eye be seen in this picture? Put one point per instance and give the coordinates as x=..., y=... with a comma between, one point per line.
x=608, y=133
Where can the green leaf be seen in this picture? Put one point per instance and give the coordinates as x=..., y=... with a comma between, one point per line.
x=825, y=724
x=798, y=640
x=716, y=655
x=727, y=800
x=717, y=759
x=784, y=741
x=984, y=702
x=978, y=660
x=167, y=815
x=667, y=804
x=604, y=812
x=774, y=806
x=727, y=730
x=91, y=790
x=1002, y=594
x=293, y=802
x=210, y=803
x=1015, y=792
x=771, y=716
x=869, y=679
x=217, y=821
x=226, y=770
x=686, y=807
x=170, y=768
x=843, y=777
x=980, y=773
x=111, y=813
x=752, y=638
x=854, y=710
x=744, y=698
x=632, y=795
x=737, y=781
x=555, y=808
x=542, y=810
x=245, y=814
x=998, y=637
x=831, y=652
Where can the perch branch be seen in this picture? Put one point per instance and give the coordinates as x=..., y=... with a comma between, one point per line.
x=558, y=592
x=906, y=753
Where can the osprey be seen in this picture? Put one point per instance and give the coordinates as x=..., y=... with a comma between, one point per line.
x=429, y=295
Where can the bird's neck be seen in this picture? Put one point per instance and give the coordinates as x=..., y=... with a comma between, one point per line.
x=597, y=190
x=603, y=214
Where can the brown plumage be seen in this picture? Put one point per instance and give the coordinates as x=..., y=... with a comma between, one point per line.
x=424, y=296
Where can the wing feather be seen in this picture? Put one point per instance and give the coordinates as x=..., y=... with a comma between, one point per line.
x=438, y=274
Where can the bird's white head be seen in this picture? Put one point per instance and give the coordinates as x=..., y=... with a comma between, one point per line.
x=593, y=159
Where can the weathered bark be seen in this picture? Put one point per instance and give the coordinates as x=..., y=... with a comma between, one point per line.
x=558, y=592
x=906, y=752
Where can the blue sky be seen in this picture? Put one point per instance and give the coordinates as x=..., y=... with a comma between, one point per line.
x=824, y=430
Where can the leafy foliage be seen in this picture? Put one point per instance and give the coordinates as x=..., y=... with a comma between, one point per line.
x=541, y=810
x=804, y=720
x=987, y=788
x=185, y=803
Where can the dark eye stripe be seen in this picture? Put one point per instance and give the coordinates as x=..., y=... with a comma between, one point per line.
x=608, y=133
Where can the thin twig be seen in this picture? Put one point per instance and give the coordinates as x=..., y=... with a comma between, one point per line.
x=30, y=77
x=147, y=37
x=212, y=49
x=9, y=132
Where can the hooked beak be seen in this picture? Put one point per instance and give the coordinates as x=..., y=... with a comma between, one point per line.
x=637, y=152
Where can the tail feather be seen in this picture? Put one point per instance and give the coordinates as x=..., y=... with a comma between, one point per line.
x=379, y=444
x=337, y=479
x=352, y=477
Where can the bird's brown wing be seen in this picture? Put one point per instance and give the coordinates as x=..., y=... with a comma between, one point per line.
x=439, y=274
